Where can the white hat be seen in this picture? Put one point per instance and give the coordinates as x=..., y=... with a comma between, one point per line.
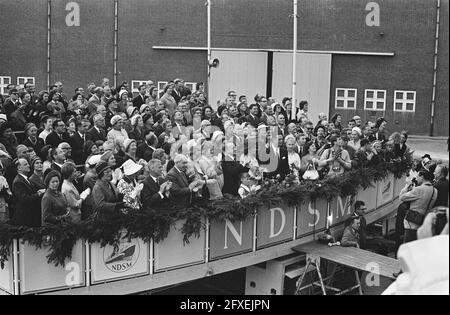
x=358, y=130
x=130, y=167
x=93, y=160
x=115, y=119
x=4, y=117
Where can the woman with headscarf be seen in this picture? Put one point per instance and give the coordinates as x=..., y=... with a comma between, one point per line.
x=32, y=140
x=54, y=205
x=129, y=186
x=117, y=134
x=355, y=141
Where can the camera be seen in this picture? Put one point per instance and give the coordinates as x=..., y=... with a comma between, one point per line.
x=415, y=182
x=441, y=220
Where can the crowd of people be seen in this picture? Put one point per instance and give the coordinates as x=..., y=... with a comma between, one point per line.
x=106, y=151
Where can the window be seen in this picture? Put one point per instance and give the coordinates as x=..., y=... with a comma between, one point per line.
x=4, y=82
x=135, y=84
x=375, y=100
x=346, y=98
x=23, y=80
x=404, y=101
x=190, y=86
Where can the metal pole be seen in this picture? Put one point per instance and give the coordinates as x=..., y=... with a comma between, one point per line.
x=436, y=51
x=49, y=34
x=16, y=272
x=116, y=38
x=294, y=61
x=208, y=6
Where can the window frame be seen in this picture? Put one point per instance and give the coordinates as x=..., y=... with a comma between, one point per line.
x=346, y=98
x=404, y=101
x=375, y=100
x=3, y=85
x=26, y=80
x=136, y=91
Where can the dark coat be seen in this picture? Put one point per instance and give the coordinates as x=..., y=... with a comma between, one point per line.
x=77, y=144
x=53, y=139
x=27, y=203
x=180, y=194
x=104, y=199
x=144, y=152
x=231, y=177
x=37, y=146
x=150, y=197
x=253, y=121
x=95, y=135
x=138, y=101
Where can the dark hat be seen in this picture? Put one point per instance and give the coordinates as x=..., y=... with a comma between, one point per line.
x=101, y=167
x=427, y=175
x=13, y=91
x=427, y=156
x=33, y=161
x=50, y=175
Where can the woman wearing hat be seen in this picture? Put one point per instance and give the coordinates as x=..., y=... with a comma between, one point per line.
x=55, y=107
x=130, y=149
x=105, y=197
x=111, y=160
x=355, y=141
x=54, y=205
x=37, y=178
x=90, y=149
x=74, y=199
x=117, y=134
x=137, y=129
x=129, y=186
x=32, y=139
x=168, y=100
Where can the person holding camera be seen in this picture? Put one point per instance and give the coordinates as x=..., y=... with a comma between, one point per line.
x=421, y=196
x=336, y=158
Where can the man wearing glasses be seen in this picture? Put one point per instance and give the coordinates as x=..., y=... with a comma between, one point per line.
x=12, y=103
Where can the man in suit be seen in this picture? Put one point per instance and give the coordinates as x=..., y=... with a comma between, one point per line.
x=12, y=103
x=145, y=150
x=231, y=171
x=182, y=189
x=156, y=192
x=176, y=93
x=278, y=152
x=58, y=135
x=253, y=118
x=59, y=158
x=141, y=98
x=98, y=132
x=27, y=198
x=301, y=148
x=95, y=100
x=78, y=140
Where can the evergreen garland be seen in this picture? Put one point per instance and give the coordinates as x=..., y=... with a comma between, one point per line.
x=156, y=224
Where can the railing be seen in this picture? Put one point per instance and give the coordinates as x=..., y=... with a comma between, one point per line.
x=221, y=247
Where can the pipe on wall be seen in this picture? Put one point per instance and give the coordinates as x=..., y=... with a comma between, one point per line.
x=116, y=38
x=435, y=67
x=49, y=34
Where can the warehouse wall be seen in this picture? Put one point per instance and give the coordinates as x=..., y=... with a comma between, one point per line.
x=85, y=53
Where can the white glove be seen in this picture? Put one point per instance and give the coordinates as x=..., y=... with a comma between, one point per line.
x=85, y=194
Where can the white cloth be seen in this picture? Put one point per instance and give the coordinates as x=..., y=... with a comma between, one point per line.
x=425, y=265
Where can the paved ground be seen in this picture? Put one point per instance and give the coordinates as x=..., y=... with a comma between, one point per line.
x=436, y=147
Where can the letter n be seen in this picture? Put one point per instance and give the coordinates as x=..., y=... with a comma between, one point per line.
x=237, y=235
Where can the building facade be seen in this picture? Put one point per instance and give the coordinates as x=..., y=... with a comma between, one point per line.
x=371, y=58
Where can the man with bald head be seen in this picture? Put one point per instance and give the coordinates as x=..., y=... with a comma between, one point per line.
x=27, y=198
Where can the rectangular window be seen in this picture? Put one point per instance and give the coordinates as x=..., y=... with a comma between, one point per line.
x=375, y=100
x=404, y=101
x=190, y=86
x=23, y=80
x=4, y=82
x=346, y=98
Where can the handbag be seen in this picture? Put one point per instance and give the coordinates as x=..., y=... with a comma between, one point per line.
x=417, y=217
x=311, y=173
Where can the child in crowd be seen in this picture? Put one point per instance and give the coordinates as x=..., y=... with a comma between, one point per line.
x=247, y=185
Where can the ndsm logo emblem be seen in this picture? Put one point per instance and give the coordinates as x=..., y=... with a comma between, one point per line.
x=122, y=257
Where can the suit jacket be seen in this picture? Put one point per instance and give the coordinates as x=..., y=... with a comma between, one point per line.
x=150, y=197
x=176, y=96
x=377, y=136
x=77, y=143
x=282, y=167
x=180, y=194
x=36, y=146
x=144, y=152
x=27, y=203
x=231, y=177
x=104, y=199
x=95, y=135
x=53, y=139
x=138, y=101
x=10, y=107
x=254, y=121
